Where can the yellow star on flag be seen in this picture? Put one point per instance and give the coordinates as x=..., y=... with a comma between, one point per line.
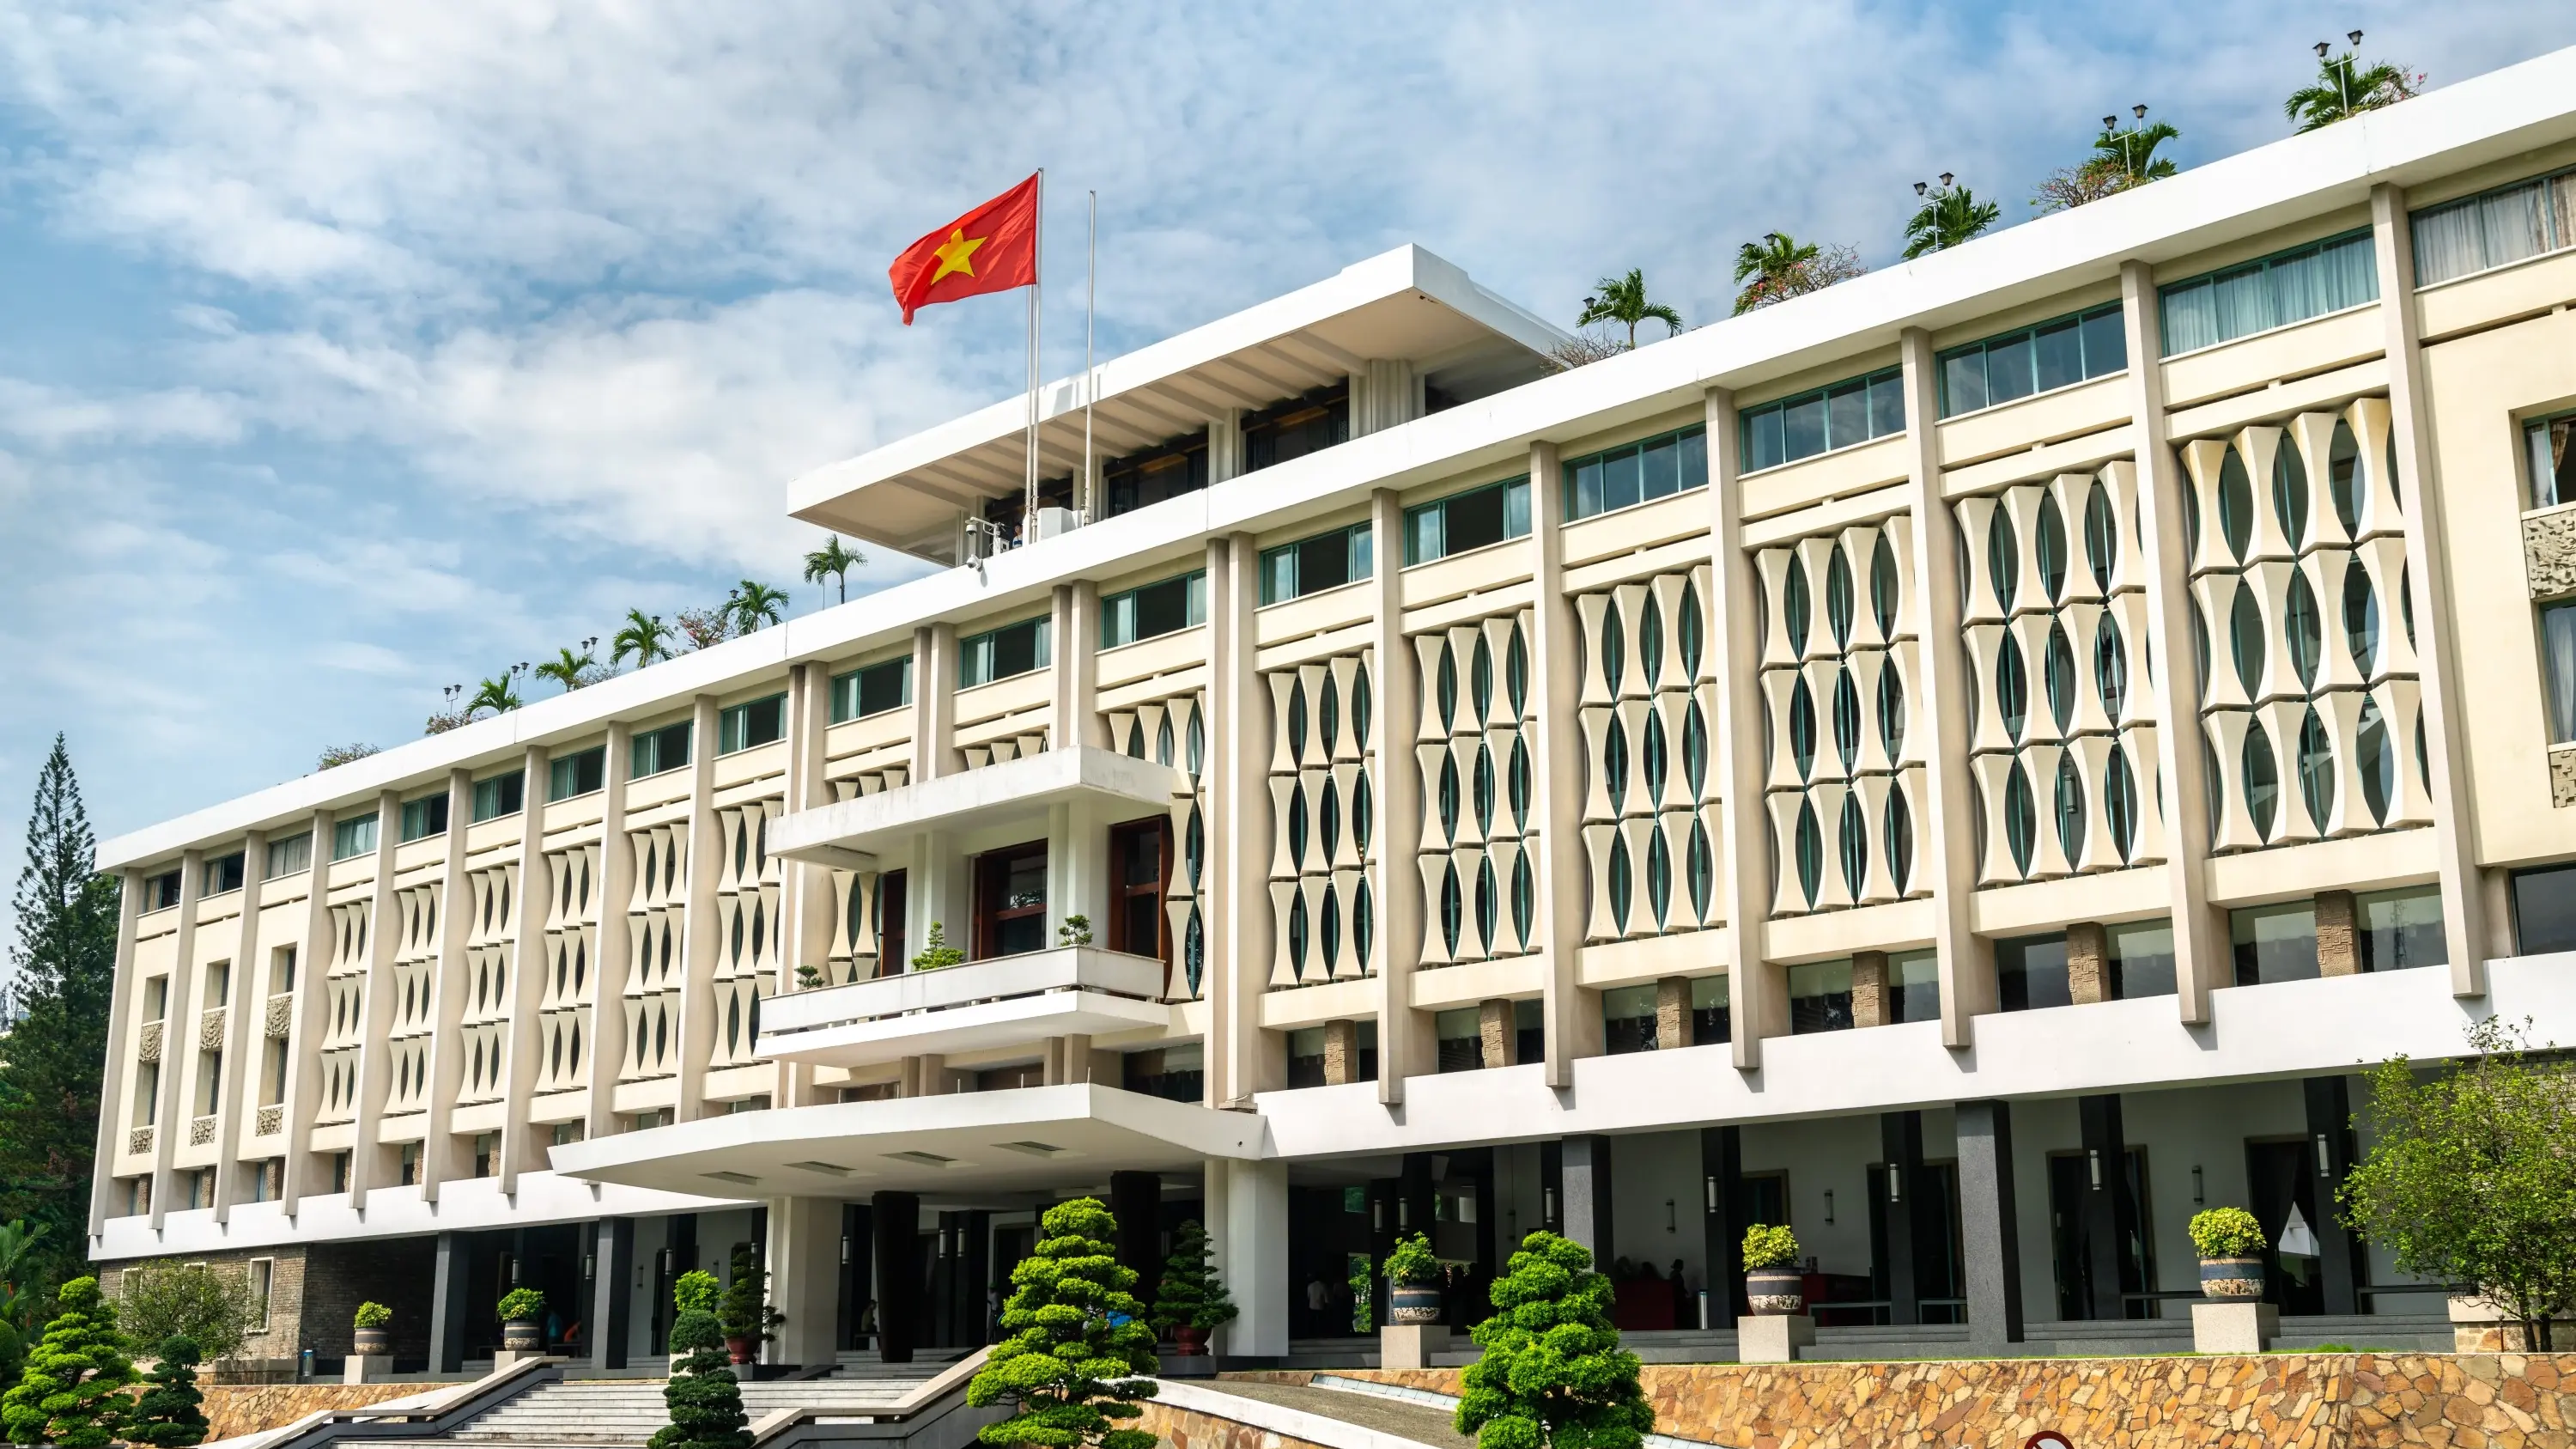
x=956, y=255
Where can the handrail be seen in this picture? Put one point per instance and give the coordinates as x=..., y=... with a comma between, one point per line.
x=415, y=1416
x=923, y=1395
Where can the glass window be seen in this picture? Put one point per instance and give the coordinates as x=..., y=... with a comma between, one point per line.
x=2141, y=958
x=2030, y=972
x=353, y=837
x=1013, y=649
x=1312, y=565
x=2497, y=228
x=1473, y=519
x=2056, y=353
x=577, y=774
x=2274, y=943
x=1297, y=427
x=2544, y=909
x=1154, y=610
x=872, y=689
x=2269, y=292
x=2552, y=461
x=224, y=873
x=1914, y=986
x=1149, y=477
x=1628, y=1019
x=500, y=795
x=1711, y=1010
x=286, y=857
x=756, y=722
x=2558, y=669
x=1839, y=416
x=424, y=817
x=1820, y=997
x=656, y=751
x=2400, y=929
x=1641, y=472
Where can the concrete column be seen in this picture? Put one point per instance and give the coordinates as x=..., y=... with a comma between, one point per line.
x=804, y=1262
x=2201, y=956
x=616, y=940
x=1757, y=990
x=1989, y=1222
x=1584, y=1165
x=2106, y=1152
x=370, y=1162
x=1869, y=987
x=2338, y=935
x=447, y=1306
x=896, y=1217
x=2344, y=1266
x=178, y=1037
x=1225, y=444
x=1239, y=1061
x=311, y=1014
x=1572, y=1015
x=2464, y=906
x=116, y=1110
x=449, y=985
x=1136, y=1200
x=1724, y=1217
x=1076, y=622
x=1900, y=1136
x=1672, y=1013
x=237, y=1094
x=612, y=1264
x=1342, y=1053
x=1497, y=1034
x=1386, y=394
x=806, y=903
x=1414, y=1212
x=2088, y=963
x=1255, y=1254
x=934, y=701
x=1939, y=710
x=1407, y=1045
x=524, y=1143
x=700, y=935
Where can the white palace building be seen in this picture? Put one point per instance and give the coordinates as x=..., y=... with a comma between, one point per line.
x=1969, y=763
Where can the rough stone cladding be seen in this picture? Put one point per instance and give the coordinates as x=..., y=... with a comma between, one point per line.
x=1189, y=1429
x=235, y=1409
x=283, y=1336
x=2549, y=552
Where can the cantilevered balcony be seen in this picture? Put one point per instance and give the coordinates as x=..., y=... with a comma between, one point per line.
x=1073, y=990
x=854, y=834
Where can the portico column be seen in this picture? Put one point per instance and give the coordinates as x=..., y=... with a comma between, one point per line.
x=805, y=1277
x=1721, y=1166
x=1253, y=1252
x=1988, y=1225
x=612, y=1295
x=447, y=1306
x=896, y=1216
x=1901, y=1150
x=1584, y=1201
x=2106, y=1154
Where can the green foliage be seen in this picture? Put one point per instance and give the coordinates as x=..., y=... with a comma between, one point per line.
x=1780, y=266
x=696, y=1290
x=13, y=1353
x=17, y=1302
x=752, y=604
x=833, y=560
x=744, y=1311
x=170, y=1415
x=1552, y=1372
x=1191, y=1295
x=62, y=972
x=1363, y=1296
x=1622, y=300
x=211, y=1307
x=703, y=1397
x=2226, y=1232
x=1768, y=1246
x=1412, y=1261
x=645, y=637
x=372, y=1314
x=1949, y=215
x=2345, y=88
x=73, y=1391
x=1076, y=931
x=522, y=1305
x=936, y=953
x=2470, y=1179
x=1077, y=1345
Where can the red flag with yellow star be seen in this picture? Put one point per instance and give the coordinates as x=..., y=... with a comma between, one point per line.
x=990, y=249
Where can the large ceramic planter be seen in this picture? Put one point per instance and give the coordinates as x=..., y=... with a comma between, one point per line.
x=738, y=1347
x=1189, y=1341
x=2231, y=1279
x=1775, y=1292
x=1413, y=1303
x=374, y=1342
x=523, y=1335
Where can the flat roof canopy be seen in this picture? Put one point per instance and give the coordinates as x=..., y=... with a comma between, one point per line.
x=850, y=833
x=1403, y=305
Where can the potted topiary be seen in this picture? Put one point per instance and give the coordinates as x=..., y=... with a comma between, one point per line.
x=1773, y=1286
x=1190, y=1302
x=744, y=1312
x=374, y=1339
x=521, y=1330
x=2231, y=1246
x=1412, y=1282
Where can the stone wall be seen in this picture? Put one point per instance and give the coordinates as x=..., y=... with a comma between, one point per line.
x=1190, y=1429
x=250, y=1408
x=2276, y=1401
x=280, y=1337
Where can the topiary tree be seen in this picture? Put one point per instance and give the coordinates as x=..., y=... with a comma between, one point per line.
x=72, y=1392
x=2226, y=1232
x=1552, y=1372
x=744, y=1311
x=170, y=1415
x=1077, y=1341
x=1412, y=1261
x=695, y=1289
x=1191, y=1295
x=703, y=1397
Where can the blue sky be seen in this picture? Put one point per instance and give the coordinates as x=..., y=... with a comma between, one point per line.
x=349, y=351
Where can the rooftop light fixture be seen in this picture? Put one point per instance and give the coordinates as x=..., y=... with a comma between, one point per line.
x=2110, y=122
x=2139, y=110
x=1918, y=188
x=2322, y=48
x=1945, y=180
x=2355, y=38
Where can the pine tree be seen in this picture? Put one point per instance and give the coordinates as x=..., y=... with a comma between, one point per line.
x=1190, y=1295
x=62, y=970
x=1077, y=1341
x=1552, y=1372
x=703, y=1396
x=73, y=1392
x=169, y=1414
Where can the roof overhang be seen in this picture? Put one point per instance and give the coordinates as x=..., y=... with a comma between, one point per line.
x=1001, y=1002
x=849, y=834
x=1026, y=1139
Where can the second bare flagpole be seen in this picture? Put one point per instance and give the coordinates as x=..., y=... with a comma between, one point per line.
x=1089, y=503
x=1037, y=289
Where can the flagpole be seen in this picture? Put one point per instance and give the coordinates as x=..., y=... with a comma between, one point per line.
x=1037, y=288
x=1090, y=376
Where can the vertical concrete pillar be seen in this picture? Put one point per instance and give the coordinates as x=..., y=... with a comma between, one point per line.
x=2344, y=1267
x=1940, y=710
x=1497, y=1036
x=1572, y=1018
x=523, y=1142
x=1225, y=444
x=370, y=1161
x=178, y=1037
x=1239, y=1062
x=2088, y=963
x=616, y=888
x=2464, y=904
x=310, y=1012
x=701, y=934
x=116, y=1110
x=1342, y=1053
x=2200, y=945
x=237, y=1093
x=1900, y=1136
x=1136, y=1200
x=1869, y=987
x=1406, y=1044
x=2106, y=1165
x=1724, y=1217
x=934, y=701
x=450, y=983
x=804, y=1262
x=1672, y=1013
x=1989, y=1222
x=807, y=904
x=612, y=1266
x=447, y=1306
x=1585, y=1168
x=2338, y=935
x=1757, y=990
x=896, y=1216
x=1076, y=672
x=1256, y=1255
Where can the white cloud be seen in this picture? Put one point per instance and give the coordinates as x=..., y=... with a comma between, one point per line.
x=55, y=417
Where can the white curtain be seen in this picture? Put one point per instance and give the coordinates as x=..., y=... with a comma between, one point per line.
x=2558, y=669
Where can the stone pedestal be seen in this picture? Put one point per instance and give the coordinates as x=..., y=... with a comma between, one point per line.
x=1411, y=1345
x=1187, y=1365
x=367, y=1368
x=1773, y=1337
x=2233, y=1326
x=504, y=1357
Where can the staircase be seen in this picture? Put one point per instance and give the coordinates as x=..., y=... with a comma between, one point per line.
x=618, y=1412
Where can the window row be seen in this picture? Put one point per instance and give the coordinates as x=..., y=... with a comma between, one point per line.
x=1838, y=416
x=2500, y=227
x=1153, y=610
x=1637, y=472
x=2057, y=353
x=2268, y=292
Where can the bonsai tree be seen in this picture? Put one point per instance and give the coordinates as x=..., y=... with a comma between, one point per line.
x=1552, y=1372
x=744, y=1311
x=170, y=1413
x=1190, y=1295
x=1767, y=1246
x=936, y=953
x=209, y=1306
x=1412, y=1261
x=1078, y=1348
x=1076, y=931
x=372, y=1314
x=703, y=1398
x=2226, y=1232
x=2471, y=1181
x=73, y=1391
x=522, y=1305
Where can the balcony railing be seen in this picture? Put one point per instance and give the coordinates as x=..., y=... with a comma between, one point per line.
x=1006, y=1001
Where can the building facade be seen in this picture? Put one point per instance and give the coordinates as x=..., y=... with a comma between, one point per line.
x=1968, y=763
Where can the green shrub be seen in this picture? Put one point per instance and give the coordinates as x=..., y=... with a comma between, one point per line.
x=696, y=1289
x=73, y=1391
x=703, y=1398
x=1191, y=1295
x=1552, y=1374
x=744, y=1311
x=2226, y=1232
x=1769, y=1246
x=520, y=1305
x=1412, y=1261
x=936, y=953
x=372, y=1314
x=210, y=1306
x=1078, y=1351
x=170, y=1414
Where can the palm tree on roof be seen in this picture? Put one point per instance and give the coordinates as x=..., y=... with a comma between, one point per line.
x=833, y=560
x=1949, y=215
x=568, y=669
x=1780, y=266
x=2344, y=88
x=754, y=604
x=1623, y=300
x=648, y=639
